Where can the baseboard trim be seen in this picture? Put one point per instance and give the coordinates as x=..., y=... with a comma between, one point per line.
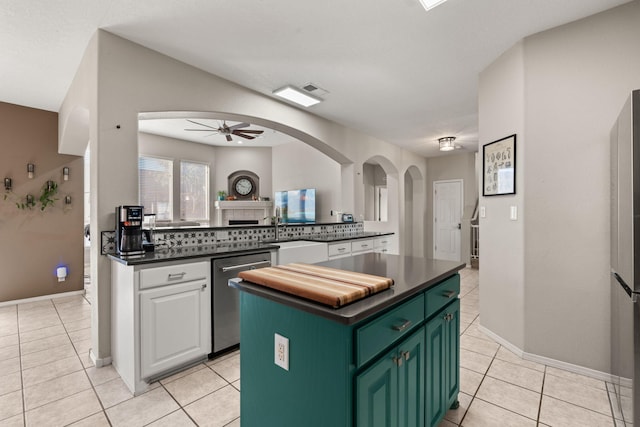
x=42, y=298
x=577, y=369
x=98, y=362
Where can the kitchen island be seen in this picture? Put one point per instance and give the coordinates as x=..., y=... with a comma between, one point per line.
x=389, y=359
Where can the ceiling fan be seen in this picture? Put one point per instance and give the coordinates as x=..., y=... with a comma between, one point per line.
x=227, y=131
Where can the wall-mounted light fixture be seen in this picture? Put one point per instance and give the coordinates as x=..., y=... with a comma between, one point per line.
x=67, y=200
x=31, y=169
x=50, y=185
x=30, y=201
x=7, y=184
x=446, y=143
x=65, y=173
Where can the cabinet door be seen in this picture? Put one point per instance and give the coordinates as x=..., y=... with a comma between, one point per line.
x=411, y=381
x=435, y=380
x=174, y=326
x=452, y=363
x=442, y=362
x=377, y=394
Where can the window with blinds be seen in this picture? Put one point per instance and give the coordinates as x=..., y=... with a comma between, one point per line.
x=156, y=186
x=194, y=191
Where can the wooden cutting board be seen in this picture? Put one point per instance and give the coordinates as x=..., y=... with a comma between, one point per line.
x=325, y=285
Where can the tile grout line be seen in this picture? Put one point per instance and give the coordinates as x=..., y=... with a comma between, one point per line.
x=84, y=370
x=24, y=408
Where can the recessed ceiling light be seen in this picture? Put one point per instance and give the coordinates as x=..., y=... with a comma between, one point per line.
x=293, y=94
x=430, y=4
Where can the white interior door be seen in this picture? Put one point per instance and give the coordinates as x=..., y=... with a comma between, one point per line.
x=447, y=214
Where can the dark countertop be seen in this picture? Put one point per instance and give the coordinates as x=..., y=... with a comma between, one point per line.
x=187, y=252
x=411, y=276
x=336, y=237
x=235, y=248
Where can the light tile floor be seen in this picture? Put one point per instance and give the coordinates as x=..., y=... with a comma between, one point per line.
x=47, y=379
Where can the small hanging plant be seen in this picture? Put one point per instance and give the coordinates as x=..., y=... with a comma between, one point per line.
x=49, y=190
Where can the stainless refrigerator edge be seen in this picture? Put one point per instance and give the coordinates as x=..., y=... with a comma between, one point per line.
x=625, y=263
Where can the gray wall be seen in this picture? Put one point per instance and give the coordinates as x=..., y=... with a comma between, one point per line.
x=453, y=166
x=297, y=165
x=560, y=91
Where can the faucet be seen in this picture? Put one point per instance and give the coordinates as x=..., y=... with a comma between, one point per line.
x=277, y=223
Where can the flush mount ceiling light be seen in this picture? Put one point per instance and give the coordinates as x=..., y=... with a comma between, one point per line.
x=446, y=143
x=293, y=94
x=430, y=4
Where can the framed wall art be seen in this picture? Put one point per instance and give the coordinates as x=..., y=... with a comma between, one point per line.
x=499, y=167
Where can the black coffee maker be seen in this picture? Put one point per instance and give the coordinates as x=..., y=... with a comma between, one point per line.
x=129, y=231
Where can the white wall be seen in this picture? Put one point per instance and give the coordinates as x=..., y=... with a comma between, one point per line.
x=132, y=79
x=297, y=165
x=544, y=278
x=501, y=113
x=453, y=166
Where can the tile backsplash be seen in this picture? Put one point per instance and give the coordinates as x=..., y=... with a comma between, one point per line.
x=188, y=237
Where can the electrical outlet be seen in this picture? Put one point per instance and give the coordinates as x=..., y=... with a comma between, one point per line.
x=281, y=351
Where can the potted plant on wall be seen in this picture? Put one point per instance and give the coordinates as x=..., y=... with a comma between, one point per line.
x=222, y=195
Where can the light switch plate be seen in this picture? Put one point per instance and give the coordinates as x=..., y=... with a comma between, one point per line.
x=483, y=212
x=281, y=351
x=513, y=214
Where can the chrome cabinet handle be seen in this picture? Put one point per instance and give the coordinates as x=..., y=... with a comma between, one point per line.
x=176, y=276
x=397, y=360
x=402, y=327
x=450, y=294
x=204, y=286
x=342, y=249
x=406, y=355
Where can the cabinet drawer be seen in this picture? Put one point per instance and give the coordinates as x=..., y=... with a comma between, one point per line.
x=361, y=245
x=441, y=295
x=386, y=329
x=382, y=242
x=339, y=249
x=158, y=276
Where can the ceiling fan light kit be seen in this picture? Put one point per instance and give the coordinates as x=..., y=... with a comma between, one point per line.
x=294, y=94
x=447, y=143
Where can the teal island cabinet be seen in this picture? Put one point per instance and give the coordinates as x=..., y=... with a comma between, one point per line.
x=391, y=359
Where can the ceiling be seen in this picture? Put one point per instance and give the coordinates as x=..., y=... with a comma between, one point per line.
x=176, y=128
x=391, y=69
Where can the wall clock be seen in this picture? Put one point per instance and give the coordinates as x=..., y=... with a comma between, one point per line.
x=243, y=187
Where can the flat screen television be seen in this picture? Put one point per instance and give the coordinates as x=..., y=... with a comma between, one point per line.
x=297, y=206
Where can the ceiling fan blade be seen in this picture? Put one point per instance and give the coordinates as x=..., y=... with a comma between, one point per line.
x=201, y=130
x=201, y=124
x=240, y=134
x=257, y=132
x=239, y=125
x=229, y=139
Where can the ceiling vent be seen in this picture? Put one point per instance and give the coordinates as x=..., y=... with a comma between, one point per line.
x=315, y=89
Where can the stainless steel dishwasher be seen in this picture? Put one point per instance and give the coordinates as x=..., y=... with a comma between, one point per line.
x=225, y=304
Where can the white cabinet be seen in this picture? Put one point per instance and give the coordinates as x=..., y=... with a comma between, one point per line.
x=301, y=251
x=347, y=248
x=383, y=244
x=339, y=250
x=160, y=318
x=361, y=246
x=172, y=331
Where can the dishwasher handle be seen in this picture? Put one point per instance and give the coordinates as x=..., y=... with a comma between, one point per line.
x=248, y=265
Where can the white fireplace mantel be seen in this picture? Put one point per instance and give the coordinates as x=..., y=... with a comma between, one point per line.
x=243, y=210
